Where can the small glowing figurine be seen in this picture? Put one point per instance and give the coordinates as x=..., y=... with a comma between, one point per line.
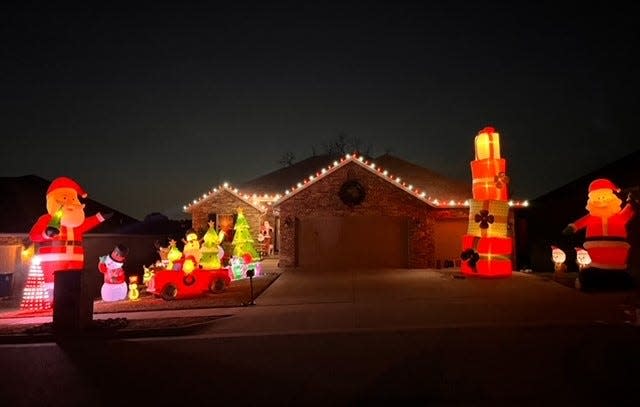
x=582, y=258
x=191, y=245
x=558, y=257
x=174, y=256
x=134, y=294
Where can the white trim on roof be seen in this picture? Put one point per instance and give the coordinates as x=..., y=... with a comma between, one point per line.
x=371, y=167
x=324, y=172
x=251, y=200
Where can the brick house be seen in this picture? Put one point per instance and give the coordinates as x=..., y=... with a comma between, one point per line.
x=255, y=197
x=353, y=212
x=221, y=206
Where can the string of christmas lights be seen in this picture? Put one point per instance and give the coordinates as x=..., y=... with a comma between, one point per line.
x=259, y=201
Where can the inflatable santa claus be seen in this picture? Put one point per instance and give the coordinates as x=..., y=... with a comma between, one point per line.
x=605, y=225
x=58, y=235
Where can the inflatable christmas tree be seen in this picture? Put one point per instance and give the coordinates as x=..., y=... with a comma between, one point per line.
x=210, y=251
x=242, y=240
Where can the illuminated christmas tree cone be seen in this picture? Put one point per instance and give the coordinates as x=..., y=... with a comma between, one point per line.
x=486, y=248
x=35, y=296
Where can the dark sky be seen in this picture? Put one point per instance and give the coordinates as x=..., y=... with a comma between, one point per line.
x=149, y=107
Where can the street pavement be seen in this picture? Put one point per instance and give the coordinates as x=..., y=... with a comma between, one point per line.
x=359, y=336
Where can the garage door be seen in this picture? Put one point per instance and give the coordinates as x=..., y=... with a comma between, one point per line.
x=448, y=235
x=367, y=241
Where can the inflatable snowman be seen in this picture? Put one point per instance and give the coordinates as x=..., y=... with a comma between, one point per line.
x=114, y=287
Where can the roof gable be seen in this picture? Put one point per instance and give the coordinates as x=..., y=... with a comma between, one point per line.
x=394, y=179
x=432, y=188
x=253, y=200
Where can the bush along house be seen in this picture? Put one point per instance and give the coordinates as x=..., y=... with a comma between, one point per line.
x=352, y=212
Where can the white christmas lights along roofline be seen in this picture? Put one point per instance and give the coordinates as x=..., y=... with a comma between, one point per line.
x=387, y=176
x=234, y=191
x=360, y=160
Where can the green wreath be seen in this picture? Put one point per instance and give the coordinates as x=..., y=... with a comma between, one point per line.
x=352, y=193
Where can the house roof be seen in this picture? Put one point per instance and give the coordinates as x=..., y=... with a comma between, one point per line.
x=430, y=187
x=24, y=201
x=277, y=181
x=435, y=184
x=433, y=188
x=624, y=172
x=250, y=199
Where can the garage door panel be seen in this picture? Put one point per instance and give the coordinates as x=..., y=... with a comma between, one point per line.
x=353, y=241
x=448, y=238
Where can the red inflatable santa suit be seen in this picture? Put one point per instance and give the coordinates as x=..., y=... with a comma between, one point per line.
x=606, y=226
x=58, y=235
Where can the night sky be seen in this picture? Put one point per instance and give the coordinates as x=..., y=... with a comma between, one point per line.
x=150, y=107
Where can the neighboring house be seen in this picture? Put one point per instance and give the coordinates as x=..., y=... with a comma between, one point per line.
x=549, y=214
x=388, y=212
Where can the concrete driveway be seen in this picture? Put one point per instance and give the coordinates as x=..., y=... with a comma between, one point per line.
x=307, y=299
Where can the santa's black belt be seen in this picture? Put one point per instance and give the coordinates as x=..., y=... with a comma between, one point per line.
x=59, y=243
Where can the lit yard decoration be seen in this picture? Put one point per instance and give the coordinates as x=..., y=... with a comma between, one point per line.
x=211, y=252
x=242, y=240
x=191, y=245
x=486, y=248
x=558, y=257
x=171, y=284
x=486, y=256
x=58, y=235
x=134, y=293
x=242, y=266
x=488, y=170
x=181, y=276
x=174, y=257
x=488, y=218
x=35, y=296
x=606, y=226
x=583, y=259
x=114, y=287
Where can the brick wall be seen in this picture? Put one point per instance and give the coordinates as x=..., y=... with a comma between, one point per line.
x=224, y=202
x=381, y=199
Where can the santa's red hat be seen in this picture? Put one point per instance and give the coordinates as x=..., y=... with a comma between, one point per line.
x=64, y=182
x=603, y=183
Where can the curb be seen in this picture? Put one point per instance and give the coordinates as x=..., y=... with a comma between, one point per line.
x=107, y=333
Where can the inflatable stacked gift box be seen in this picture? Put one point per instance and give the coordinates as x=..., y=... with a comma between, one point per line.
x=486, y=249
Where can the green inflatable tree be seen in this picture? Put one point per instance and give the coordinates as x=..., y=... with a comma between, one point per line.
x=210, y=249
x=242, y=240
